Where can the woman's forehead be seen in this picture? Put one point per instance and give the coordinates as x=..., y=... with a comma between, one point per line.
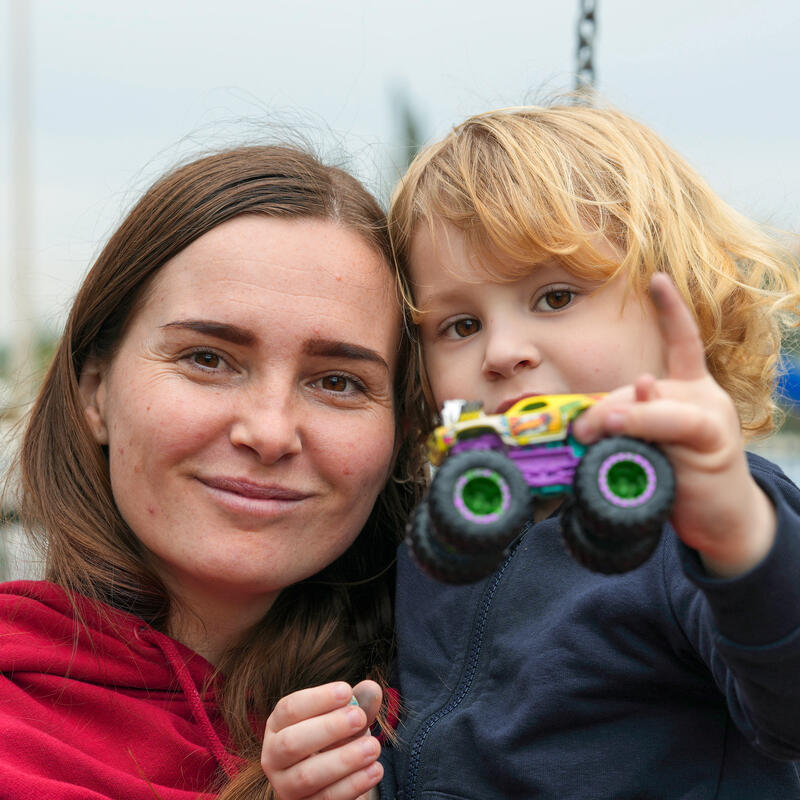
x=252, y=272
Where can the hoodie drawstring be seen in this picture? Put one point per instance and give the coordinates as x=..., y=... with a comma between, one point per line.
x=228, y=762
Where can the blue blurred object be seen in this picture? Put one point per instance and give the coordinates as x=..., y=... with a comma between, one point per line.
x=789, y=381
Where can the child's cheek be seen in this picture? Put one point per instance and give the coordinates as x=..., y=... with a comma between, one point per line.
x=449, y=379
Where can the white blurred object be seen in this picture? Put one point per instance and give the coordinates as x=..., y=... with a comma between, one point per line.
x=451, y=411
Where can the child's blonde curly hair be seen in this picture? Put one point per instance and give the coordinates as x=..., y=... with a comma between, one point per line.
x=536, y=183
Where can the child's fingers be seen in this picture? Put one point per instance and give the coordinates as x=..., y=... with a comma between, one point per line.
x=667, y=421
x=590, y=425
x=645, y=389
x=345, y=772
x=684, y=348
x=308, y=703
x=308, y=737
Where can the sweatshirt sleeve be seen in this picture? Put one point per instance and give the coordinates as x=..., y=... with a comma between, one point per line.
x=747, y=629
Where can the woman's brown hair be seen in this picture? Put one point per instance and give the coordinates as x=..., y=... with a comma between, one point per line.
x=335, y=625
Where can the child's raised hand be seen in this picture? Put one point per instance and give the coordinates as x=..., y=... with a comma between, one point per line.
x=719, y=509
x=317, y=743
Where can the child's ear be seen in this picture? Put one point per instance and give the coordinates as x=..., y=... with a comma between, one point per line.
x=92, y=387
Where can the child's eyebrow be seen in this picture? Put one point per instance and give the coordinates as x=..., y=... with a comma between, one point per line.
x=424, y=300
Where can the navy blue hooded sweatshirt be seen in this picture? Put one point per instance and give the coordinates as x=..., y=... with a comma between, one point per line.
x=549, y=681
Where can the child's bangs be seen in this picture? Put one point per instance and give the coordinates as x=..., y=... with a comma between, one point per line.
x=512, y=228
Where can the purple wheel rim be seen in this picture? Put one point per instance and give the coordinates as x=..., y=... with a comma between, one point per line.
x=626, y=502
x=497, y=480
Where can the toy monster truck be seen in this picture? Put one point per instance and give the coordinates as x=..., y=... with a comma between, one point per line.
x=492, y=466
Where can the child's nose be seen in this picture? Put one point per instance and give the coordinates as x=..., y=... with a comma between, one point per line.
x=508, y=354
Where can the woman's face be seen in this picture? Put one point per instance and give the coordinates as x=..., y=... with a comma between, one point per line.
x=248, y=411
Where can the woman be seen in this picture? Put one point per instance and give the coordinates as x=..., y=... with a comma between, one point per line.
x=214, y=470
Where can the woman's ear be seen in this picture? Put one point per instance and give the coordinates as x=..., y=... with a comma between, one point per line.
x=92, y=386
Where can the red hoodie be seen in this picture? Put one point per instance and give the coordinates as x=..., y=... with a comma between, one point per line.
x=114, y=714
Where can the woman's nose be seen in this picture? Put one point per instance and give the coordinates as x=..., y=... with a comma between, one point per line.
x=507, y=353
x=267, y=425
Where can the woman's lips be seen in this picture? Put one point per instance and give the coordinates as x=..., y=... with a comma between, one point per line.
x=253, y=498
x=256, y=491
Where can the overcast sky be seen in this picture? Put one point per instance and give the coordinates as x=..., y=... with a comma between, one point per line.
x=120, y=91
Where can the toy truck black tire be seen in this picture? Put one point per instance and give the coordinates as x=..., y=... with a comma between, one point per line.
x=623, y=489
x=479, y=501
x=441, y=561
x=601, y=554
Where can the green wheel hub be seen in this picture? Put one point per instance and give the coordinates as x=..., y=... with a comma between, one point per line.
x=626, y=479
x=482, y=495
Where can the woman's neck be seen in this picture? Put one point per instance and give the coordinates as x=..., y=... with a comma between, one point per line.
x=213, y=622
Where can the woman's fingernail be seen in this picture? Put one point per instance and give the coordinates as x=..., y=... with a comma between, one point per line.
x=368, y=746
x=355, y=718
x=341, y=691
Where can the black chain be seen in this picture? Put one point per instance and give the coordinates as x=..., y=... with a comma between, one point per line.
x=587, y=30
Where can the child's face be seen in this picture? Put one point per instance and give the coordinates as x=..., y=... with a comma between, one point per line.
x=549, y=332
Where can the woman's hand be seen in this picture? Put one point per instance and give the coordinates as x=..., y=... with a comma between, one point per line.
x=719, y=509
x=317, y=743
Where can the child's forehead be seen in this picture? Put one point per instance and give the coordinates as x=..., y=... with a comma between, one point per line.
x=440, y=247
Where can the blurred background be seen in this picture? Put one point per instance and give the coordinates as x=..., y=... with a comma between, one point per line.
x=97, y=98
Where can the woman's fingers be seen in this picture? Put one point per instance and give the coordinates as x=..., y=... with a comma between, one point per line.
x=369, y=697
x=685, y=356
x=317, y=742
x=307, y=703
x=308, y=721
x=342, y=773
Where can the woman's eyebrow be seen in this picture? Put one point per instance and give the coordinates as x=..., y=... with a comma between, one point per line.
x=332, y=348
x=339, y=349
x=219, y=330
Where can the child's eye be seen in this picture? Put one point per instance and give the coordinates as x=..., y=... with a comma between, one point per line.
x=554, y=300
x=462, y=328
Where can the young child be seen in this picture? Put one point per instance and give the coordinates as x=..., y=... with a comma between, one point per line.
x=567, y=249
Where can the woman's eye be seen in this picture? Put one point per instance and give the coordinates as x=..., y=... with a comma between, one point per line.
x=207, y=359
x=342, y=384
x=462, y=328
x=335, y=383
x=555, y=300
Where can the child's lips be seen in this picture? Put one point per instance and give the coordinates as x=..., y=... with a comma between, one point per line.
x=506, y=404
